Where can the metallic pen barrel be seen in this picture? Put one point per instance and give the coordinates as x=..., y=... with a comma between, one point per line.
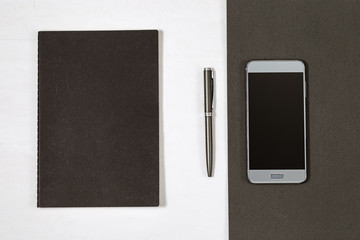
x=208, y=107
x=209, y=145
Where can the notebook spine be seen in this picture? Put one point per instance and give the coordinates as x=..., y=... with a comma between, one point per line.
x=38, y=125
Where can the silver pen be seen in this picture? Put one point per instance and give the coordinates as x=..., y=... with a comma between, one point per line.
x=209, y=101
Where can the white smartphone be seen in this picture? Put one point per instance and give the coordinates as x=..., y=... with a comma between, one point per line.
x=276, y=121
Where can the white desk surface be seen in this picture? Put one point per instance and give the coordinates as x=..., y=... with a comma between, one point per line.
x=193, y=206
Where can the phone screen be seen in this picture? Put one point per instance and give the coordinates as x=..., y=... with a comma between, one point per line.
x=276, y=121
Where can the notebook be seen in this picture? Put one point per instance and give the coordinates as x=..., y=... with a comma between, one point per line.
x=325, y=35
x=98, y=118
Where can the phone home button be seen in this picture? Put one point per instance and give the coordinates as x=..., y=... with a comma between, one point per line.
x=277, y=176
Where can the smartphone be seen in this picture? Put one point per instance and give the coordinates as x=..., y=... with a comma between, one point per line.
x=276, y=121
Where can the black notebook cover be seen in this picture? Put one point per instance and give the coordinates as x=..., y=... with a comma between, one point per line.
x=98, y=119
x=326, y=36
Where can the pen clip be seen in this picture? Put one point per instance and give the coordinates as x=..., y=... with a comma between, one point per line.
x=212, y=89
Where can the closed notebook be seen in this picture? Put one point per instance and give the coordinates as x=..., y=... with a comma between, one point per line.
x=98, y=119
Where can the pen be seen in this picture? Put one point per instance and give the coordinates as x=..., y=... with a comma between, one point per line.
x=209, y=100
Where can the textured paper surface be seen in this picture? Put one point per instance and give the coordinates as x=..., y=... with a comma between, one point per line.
x=326, y=36
x=98, y=119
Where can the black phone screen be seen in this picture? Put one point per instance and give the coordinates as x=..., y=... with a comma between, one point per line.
x=276, y=121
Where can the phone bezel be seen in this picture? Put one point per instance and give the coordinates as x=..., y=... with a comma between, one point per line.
x=271, y=66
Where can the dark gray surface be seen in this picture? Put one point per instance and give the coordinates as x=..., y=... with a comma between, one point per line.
x=98, y=119
x=326, y=36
